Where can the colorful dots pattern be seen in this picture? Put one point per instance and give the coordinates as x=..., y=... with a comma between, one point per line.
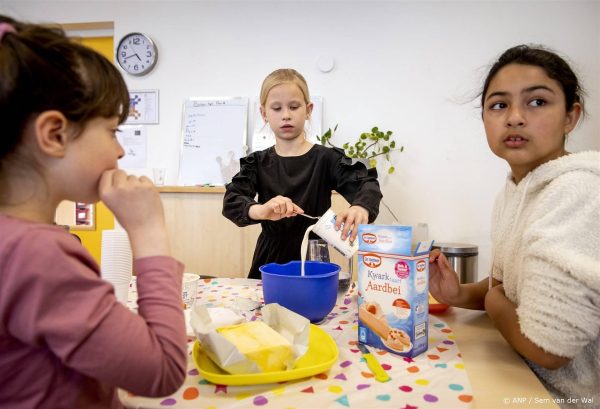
x=345, y=364
x=191, y=393
x=465, y=398
x=430, y=398
x=335, y=389
x=260, y=401
x=343, y=400
x=435, y=379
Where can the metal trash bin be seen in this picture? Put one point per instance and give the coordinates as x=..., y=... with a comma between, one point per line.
x=462, y=258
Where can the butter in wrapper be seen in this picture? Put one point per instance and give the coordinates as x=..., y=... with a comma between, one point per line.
x=293, y=331
x=261, y=344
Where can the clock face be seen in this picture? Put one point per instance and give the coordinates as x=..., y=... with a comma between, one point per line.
x=137, y=54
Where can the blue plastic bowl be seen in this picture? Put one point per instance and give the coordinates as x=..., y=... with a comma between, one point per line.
x=312, y=296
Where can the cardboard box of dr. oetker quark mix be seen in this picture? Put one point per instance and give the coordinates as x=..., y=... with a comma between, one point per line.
x=393, y=289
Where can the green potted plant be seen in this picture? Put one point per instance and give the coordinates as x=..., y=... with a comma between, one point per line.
x=369, y=147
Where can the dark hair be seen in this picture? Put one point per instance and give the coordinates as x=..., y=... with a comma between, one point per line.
x=42, y=69
x=555, y=66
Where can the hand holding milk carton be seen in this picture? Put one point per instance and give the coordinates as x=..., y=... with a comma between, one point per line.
x=392, y=289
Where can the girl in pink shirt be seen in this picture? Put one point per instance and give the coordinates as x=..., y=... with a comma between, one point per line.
x=65, y=340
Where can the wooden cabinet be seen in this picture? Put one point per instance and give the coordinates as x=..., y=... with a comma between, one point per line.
x=207, y=242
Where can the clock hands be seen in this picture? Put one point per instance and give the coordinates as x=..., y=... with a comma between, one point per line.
x=129, y=56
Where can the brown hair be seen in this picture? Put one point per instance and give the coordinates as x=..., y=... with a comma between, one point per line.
x=42, y=69
x=554, y=66
x=282, y=76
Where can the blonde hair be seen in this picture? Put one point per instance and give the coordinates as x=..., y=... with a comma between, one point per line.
x=282, y=76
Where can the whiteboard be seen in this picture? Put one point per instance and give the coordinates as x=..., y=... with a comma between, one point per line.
x=213, y=139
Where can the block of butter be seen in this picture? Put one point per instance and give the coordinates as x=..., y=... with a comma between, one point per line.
x=273, y=344
x=261, y=344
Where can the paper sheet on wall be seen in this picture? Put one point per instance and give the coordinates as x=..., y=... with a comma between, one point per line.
x=143, y=107
x=133, y=140
x=263, y=137
x=213, y=140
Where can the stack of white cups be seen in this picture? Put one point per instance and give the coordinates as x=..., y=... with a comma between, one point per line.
x=116, y=262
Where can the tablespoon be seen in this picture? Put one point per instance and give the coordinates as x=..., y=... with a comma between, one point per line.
x=310, y=217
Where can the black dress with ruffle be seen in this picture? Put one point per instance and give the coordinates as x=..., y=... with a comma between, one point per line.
x=308, y=181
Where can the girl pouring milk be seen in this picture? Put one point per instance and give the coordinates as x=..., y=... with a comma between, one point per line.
x=295, y=176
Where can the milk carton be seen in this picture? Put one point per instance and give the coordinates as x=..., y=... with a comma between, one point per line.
x=392, y=289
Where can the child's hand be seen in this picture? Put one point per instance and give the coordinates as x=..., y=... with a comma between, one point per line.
x=275, y=209
x=351, y=217
x=137, y=206
x=443, y=280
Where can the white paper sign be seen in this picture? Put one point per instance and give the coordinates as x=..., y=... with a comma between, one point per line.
x=133, y=140
x=213, y=140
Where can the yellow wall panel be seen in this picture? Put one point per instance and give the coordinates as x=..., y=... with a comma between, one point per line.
x=92, y=239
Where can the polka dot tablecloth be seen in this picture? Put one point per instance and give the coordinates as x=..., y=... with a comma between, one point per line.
x=434, y=379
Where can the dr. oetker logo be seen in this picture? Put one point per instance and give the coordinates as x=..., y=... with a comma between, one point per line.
x=372, y=260
x=369, y=238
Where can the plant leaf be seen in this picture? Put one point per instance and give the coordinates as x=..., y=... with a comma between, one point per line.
x=391, y=170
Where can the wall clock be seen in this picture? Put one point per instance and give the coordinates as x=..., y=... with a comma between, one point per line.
x=137, y=54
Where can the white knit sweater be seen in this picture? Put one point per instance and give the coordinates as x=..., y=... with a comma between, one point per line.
x=546, y=238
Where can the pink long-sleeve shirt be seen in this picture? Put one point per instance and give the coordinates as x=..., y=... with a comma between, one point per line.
x=65, y=341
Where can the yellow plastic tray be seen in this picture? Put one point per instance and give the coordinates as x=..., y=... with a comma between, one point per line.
x=322, y=353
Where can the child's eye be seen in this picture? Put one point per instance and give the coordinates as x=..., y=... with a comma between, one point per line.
x=497, y=105
x=538, y=102
x=276, y=109
x=294, y=107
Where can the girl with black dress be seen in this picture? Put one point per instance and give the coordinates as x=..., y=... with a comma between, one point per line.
x=295, y=176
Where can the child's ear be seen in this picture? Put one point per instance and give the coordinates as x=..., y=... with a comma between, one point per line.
x=572, y=117
x=51, y=133
x=263, y=113
x=309, y=108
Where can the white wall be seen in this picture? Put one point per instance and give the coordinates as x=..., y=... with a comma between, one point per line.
x=407, y=66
